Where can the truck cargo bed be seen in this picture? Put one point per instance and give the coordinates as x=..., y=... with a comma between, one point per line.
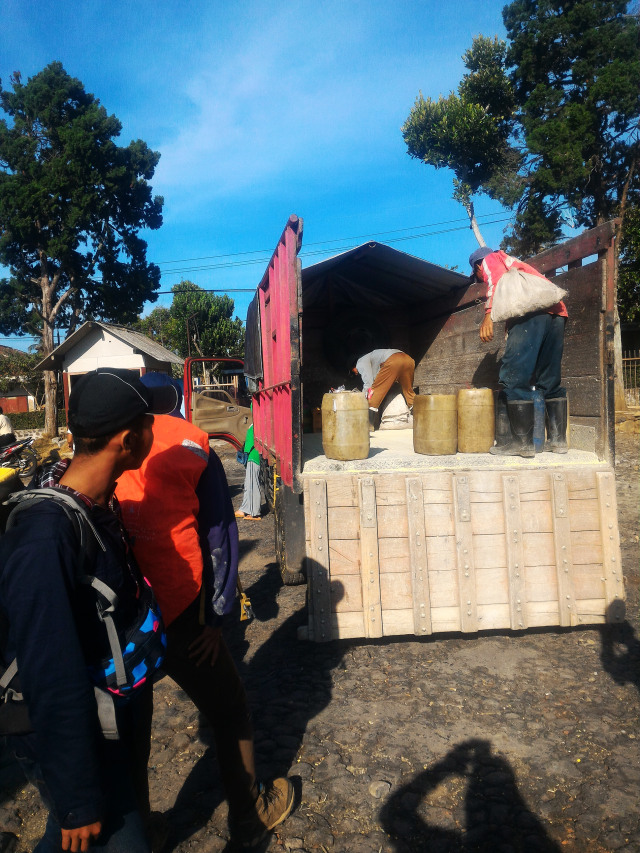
x=402, y=543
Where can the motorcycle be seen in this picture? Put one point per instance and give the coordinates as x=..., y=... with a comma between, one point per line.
x=20, y=456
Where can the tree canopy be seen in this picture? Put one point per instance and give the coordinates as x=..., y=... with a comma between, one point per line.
x=72, y=203
x=196, y=323
x=547, y=122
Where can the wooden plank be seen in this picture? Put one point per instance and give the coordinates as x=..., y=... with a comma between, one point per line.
x=588, y=582
x=590, y=242
x=445, y=619
x=464, y=553
x=563, y=549
x=488, y=518
x=438, y=519
x=490, y=550
x=584, y=514
x=390, y=490
x=346, y=626
x=443, y=589
x=344, y=522
x=491, y=616
x=395, y=591
x=397, y=622
x=541, y=614
x=538, y=549
x=318, y=561
x=341, y=491
x=611, y=557
x=393, y=549
x=437, y=481
x=344, y=556
x=515, y=550
x=536, y=516
x=418, y=553
x=370, y=568
x=346, y=593
x=541, y=584
x=586, y=547
x=485, y=486
x=392, y=520
x=492, y=586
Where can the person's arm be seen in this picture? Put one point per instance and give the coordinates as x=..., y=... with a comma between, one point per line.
x=363, y=366
x=218, y=533
x=37, y=585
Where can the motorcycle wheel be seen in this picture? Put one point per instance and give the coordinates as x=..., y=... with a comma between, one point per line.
x=25, y=462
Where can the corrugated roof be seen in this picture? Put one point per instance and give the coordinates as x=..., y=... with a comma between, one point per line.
x=136, y=340
x=377, y=276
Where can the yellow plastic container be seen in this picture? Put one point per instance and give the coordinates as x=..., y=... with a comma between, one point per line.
x=476, y=420
x=435, y=424
x=345, y=426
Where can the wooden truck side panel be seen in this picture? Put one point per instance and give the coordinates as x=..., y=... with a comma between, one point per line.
x=466, y=551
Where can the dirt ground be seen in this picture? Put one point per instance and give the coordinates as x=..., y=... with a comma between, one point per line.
x=496, y=743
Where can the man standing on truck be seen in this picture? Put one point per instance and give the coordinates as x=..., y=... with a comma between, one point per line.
x=378, y=370
x=178, y=512
x=532, y=357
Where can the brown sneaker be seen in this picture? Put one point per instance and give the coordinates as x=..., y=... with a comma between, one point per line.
x=272, y=807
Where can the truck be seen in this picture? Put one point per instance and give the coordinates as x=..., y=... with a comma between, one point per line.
x=402, y=543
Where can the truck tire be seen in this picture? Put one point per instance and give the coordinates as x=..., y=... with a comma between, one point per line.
x=266, y=483
x=289, y=536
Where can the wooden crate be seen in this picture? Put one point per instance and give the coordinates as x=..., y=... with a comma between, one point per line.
x=426, y=552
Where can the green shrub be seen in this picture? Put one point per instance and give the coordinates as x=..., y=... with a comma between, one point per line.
x=34, y=420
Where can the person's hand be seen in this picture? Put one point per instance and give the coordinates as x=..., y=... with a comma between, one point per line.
x=486, y=329
x=206, y=647
x=79, y=839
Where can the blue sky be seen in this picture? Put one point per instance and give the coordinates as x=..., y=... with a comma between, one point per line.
x=263, y=109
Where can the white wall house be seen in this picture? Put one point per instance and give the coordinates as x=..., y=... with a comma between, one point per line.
x=97, y=344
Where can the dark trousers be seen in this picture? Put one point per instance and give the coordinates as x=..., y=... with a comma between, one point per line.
x=218, y=693
x=533, y=356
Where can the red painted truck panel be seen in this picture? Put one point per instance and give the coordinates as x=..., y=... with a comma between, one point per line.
x=276, y=405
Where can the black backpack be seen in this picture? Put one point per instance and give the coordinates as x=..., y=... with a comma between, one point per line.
x=136, y=653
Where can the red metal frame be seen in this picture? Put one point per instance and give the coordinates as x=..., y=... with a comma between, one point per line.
x=277, y=408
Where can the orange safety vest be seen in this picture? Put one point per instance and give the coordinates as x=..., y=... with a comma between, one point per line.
x=160, y=511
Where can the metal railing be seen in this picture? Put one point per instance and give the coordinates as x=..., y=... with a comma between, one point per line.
x=631, y=377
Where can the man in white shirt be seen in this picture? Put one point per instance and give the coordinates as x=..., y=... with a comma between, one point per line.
x=6, y=430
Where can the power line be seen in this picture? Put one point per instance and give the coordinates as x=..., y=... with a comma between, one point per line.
x=334, y=240
x=265, y=259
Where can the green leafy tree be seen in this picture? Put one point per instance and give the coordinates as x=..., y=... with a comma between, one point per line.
x=72, y=203
x=629, y=267
x=20, y=368
x=546, y=123
x=197, y=323
x=575, y=71
x=469, y=132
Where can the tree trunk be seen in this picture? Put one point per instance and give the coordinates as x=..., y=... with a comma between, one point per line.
x=50, y=380
x=474, y=224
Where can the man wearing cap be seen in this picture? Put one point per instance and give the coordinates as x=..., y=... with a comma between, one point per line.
x=177, y=508
x=86, y=778
x=532, y=357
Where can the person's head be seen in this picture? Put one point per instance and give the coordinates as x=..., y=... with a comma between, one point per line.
x=1, y=411
x=162, y=380
x=475, y=261
x=111, y=408
x=352, y=370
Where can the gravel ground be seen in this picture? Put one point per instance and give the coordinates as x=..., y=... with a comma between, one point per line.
x=496, y=743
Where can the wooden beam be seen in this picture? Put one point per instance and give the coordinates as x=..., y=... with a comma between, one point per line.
x=418, y=557
x=611, y=557
x=318, y=562
x=369, y=561
x=592, y=242
x=562, y=546
x=515, y=551
x=464, y=552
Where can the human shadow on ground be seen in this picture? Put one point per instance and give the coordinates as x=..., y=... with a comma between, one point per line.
x=495, y=815
x=620, y=653
x=288, y=683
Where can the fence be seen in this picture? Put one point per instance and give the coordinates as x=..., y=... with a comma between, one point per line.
x=631, y=377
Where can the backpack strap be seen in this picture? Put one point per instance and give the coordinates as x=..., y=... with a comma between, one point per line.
x=7, y=677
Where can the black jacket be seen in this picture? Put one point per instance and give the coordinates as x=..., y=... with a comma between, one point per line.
x=54, y=633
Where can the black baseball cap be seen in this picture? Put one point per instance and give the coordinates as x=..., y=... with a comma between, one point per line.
x=107, y=399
